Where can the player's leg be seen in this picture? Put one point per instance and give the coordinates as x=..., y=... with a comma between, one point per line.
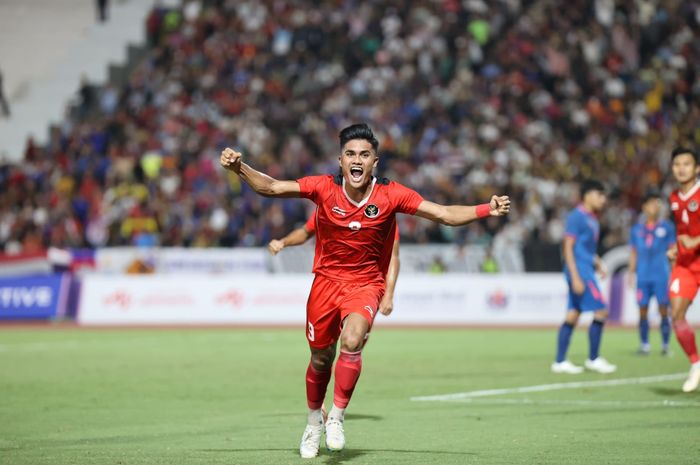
x=682, y=290
x=643, y=297
x=561, y=364
x=661, y=292
x=358, y=312
x=592, y=300
x=322, y=330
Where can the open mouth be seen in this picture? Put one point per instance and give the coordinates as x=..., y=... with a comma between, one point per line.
x=356, y=173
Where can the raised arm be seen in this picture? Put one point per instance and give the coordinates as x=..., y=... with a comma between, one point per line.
x=260, y=182
x=296, y=237
x=458, y=215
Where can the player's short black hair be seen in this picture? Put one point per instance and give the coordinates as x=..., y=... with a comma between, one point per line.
x=358, y=131
x=650, y=194
x=682, y=151
x=591, y=185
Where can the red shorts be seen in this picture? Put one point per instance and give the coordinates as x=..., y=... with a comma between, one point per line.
x=331, y=301
x=684, y=283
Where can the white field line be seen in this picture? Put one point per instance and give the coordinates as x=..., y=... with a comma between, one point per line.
x=583, y=403
x=550, y=387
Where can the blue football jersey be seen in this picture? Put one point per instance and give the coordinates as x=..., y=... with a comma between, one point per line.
x=651, y=241
x=584, y=227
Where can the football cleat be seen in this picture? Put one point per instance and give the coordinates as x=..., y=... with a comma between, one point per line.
x=600, y=365
x=566, y=367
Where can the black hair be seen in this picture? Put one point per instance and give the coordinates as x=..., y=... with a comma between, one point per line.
x=651, y=194
x=591, y=185
x=682, y=151
x=358, y=131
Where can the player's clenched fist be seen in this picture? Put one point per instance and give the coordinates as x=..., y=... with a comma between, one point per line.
x=231, y=160
x=500, y=205
x=275, y=246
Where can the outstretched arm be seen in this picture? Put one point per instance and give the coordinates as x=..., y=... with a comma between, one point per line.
x=458, y=215
x=296, y=237
x=260, y=182
x=386, y=306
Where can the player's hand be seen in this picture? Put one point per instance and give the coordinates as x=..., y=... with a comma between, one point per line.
x=386, y=306
x=672, y=253
x=631, y=279
x=577, y=286
x=500, y=205
x=687, y=241
x=231, y=160
x=275, y=246
x=602, y=270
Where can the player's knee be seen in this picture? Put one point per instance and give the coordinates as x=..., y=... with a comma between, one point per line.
x=323, y=360
x=352, y=341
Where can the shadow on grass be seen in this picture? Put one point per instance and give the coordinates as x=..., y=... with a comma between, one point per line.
x=667, y=391
x=349, y=416
x=337, y=458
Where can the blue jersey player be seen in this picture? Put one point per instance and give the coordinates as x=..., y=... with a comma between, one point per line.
x=649, y=242
x=580, y=265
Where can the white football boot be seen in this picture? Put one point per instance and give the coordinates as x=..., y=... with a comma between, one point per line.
x=335, y=435
x=566, y=367
x=600, y=365
x=693, y=380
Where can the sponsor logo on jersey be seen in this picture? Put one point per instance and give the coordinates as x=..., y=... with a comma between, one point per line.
x=339, y=211
x=371, y=211
x=674, y=206
x=355, y=225
x=693, y=206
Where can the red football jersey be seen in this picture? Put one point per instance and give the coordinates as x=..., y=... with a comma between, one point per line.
x=685, y=214
x=386, y=251
x=353, y=239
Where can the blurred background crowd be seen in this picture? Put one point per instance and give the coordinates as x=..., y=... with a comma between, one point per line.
x=467, y=98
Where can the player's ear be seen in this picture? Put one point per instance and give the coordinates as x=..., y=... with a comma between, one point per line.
x=376, y=161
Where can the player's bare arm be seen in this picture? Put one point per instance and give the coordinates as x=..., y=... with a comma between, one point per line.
x=386, y=306
x=296, y=237
x=458, y=215
x=631, y=267
x=576, y=282
x=260, y=182
x=689, y=242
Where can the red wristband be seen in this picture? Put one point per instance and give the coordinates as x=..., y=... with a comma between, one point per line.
x=483, y=210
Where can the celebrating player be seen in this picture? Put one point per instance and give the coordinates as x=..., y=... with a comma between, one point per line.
x=686, y=272
x=648, y=263
x=390, y=263
x=580, y=265
x=355, y=222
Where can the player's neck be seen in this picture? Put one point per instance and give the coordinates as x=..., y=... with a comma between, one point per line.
x=357, y=194
x=686, y=186
x=652, y=221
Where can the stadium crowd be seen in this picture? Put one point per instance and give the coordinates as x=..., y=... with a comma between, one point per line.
x=467, y=97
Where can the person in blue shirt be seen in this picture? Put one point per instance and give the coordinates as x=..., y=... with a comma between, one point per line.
x=580, y=265
x=648, y=263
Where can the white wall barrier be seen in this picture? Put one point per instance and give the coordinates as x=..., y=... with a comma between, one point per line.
x=446, y=299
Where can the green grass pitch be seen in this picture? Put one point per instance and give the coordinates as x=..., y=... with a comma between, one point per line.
x=236, y=396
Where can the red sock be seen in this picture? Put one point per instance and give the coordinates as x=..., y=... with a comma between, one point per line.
x=316, y=384
x=686, y=338
x=347, y=372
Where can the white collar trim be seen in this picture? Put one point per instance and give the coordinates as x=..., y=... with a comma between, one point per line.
x=690, y=193
x=365, y=200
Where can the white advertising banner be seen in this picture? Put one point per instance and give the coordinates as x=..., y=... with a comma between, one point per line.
x=519, y=299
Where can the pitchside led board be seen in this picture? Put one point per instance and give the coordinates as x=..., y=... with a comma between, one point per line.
x=41, y=297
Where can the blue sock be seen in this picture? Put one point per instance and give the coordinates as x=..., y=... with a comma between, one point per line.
x=665, y=330
x=644, y=330
x=595, y=331
x=563, y=341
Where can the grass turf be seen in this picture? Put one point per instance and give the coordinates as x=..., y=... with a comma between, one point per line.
x=226, y=396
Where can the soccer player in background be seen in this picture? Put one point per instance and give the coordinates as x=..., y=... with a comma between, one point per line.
x=685, y=275
x=355, y=221
x=649, y=267
x=390, y=263
x=580, y=265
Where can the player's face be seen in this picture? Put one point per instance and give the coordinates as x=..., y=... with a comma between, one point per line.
x=684, y=168
x=357, y=160
x=596, y=200
x=652, y=208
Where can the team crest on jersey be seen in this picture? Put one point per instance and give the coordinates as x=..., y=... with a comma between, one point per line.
x=693, y=206
x=660, y=232
x=371, y=211
x=339, y=211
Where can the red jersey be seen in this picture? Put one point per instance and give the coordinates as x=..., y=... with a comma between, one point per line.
x=685, y=214
x=386, y=251
x=353, y=239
